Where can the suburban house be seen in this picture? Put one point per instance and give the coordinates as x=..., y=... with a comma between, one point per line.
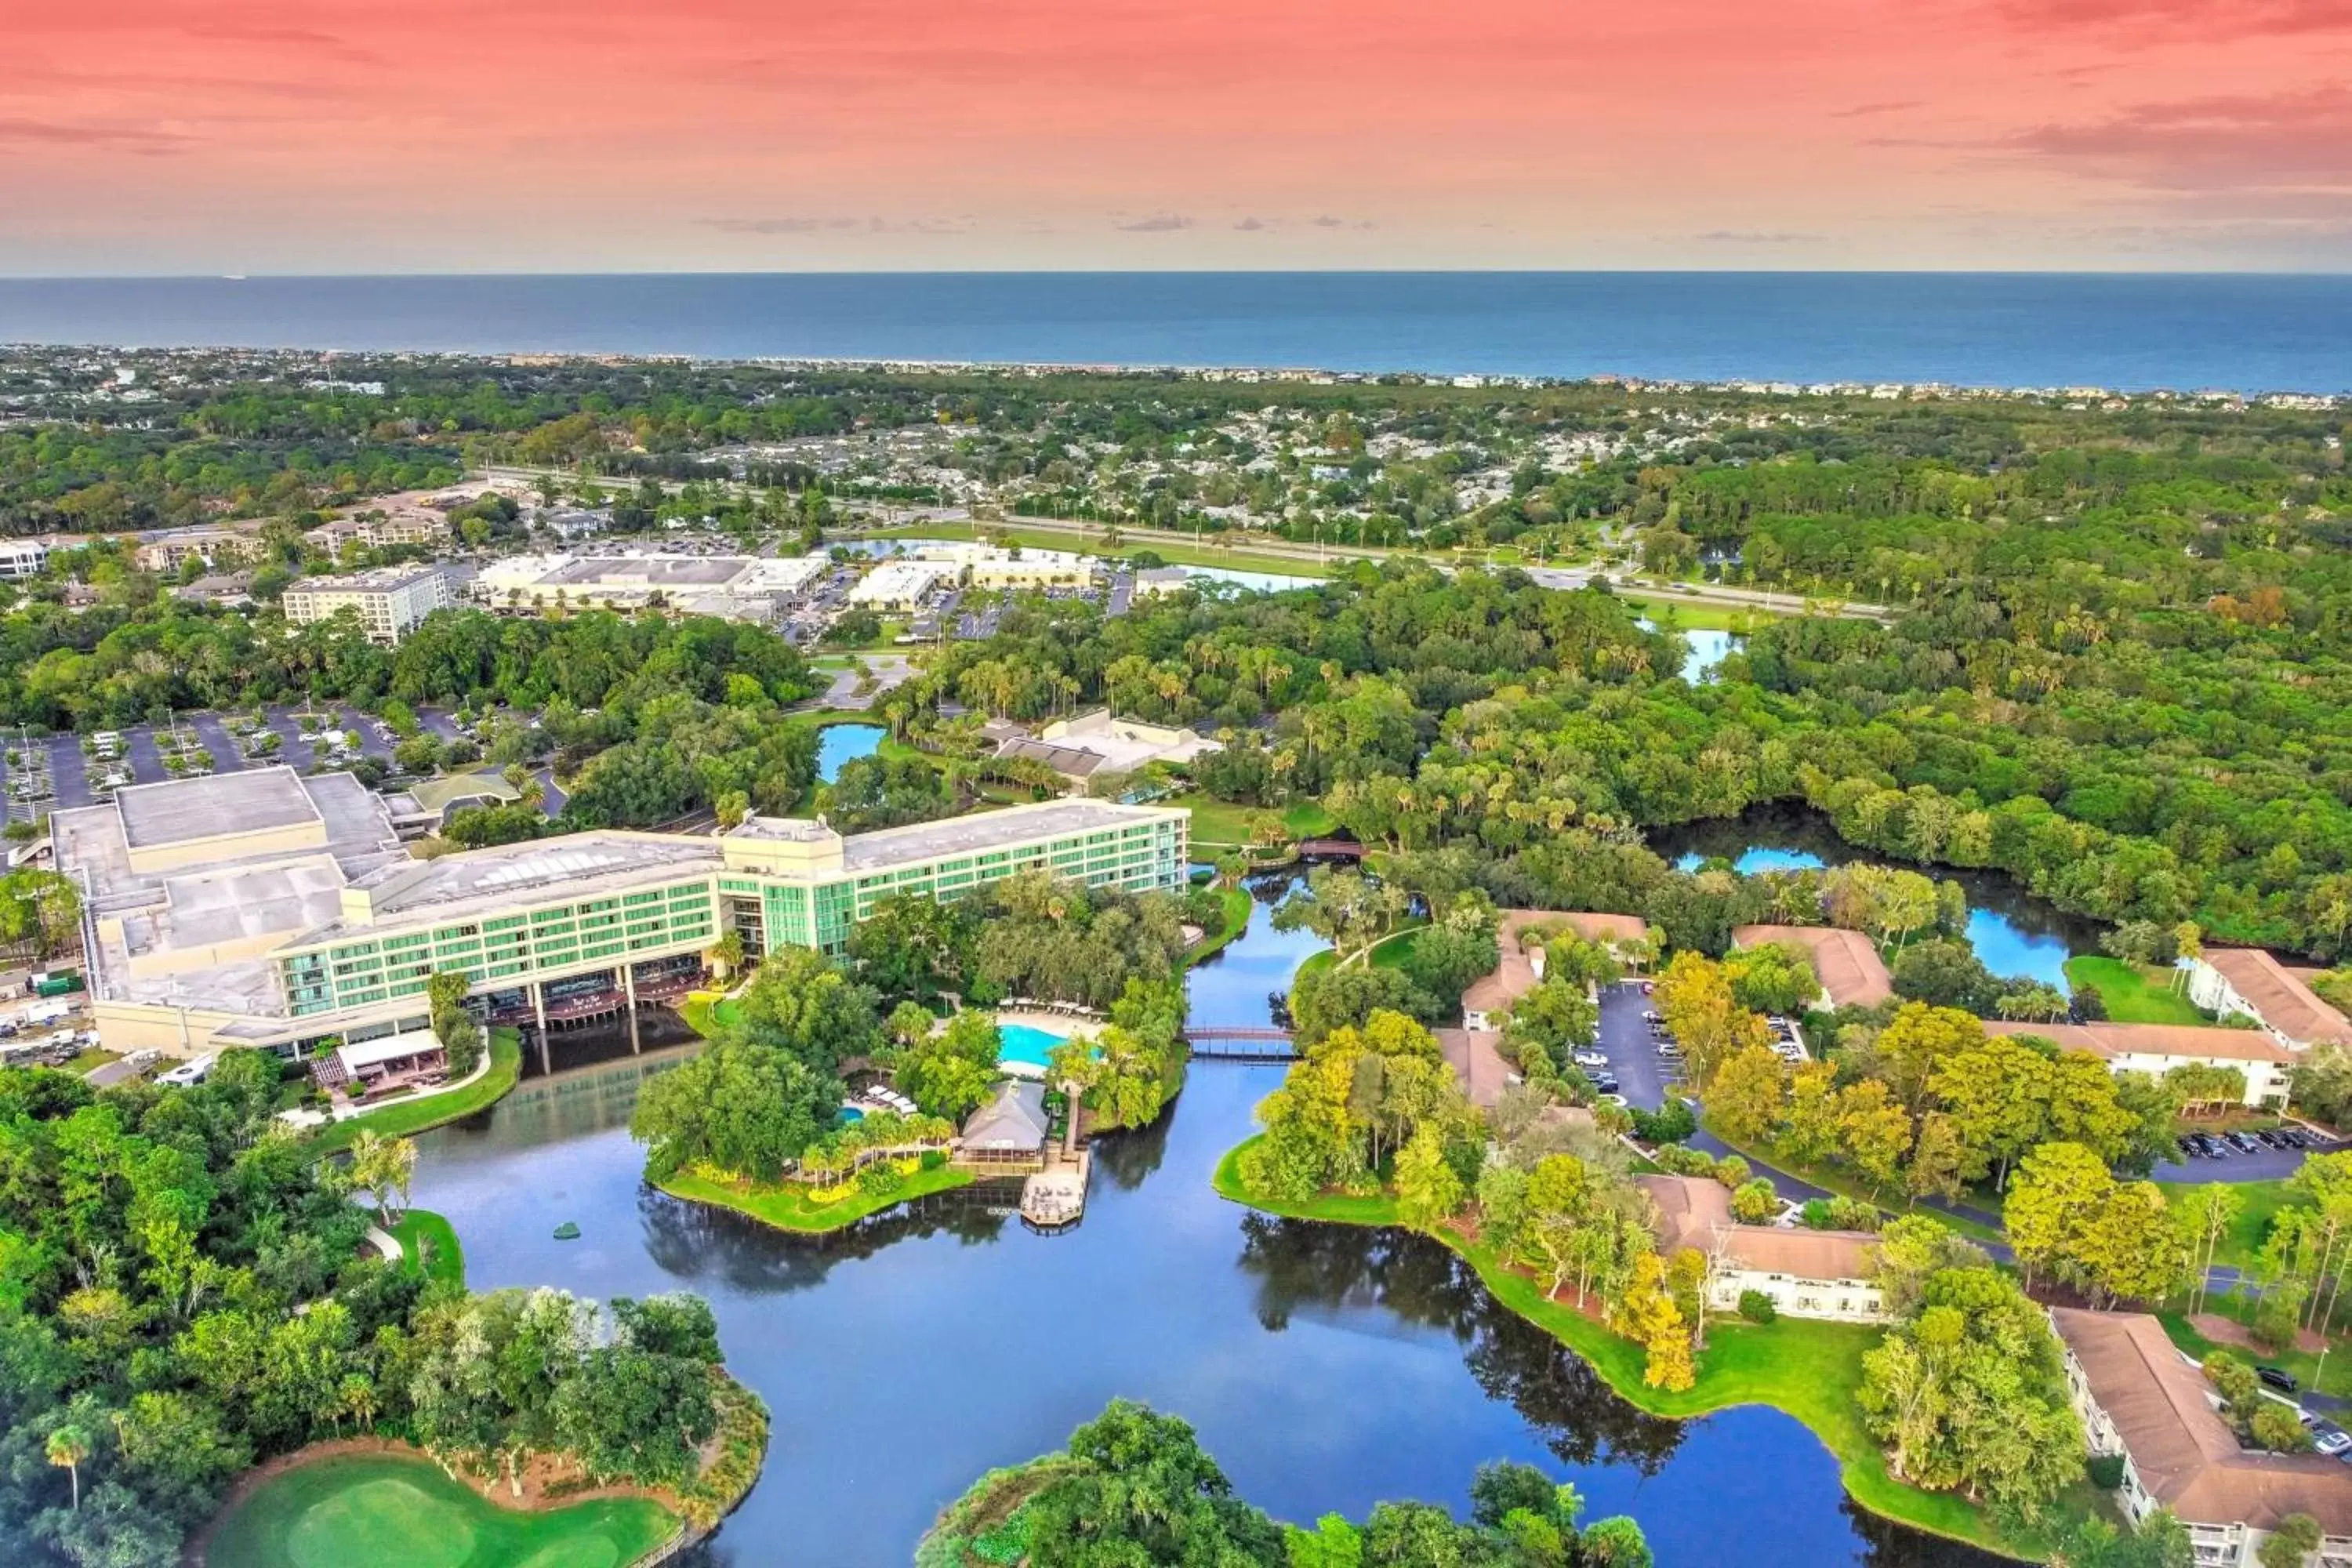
x=1085, y=744
x=2157, y=1048
x=2247, y=980
x=2139, y=1398
x=1827, y=1274
x=1850, y=970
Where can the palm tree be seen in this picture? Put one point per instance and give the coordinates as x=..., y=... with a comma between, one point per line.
x=355, y=1401
x=68, y=1446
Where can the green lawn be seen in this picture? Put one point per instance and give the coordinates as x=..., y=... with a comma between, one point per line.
x=1693, y=615
x=406, y=1514
x=430, y=1246
x=1218, y=824
x=2302, y=1363
x=416, y=1116
x=1808, y=1370
x=2135, y=993
x=789, y=1208
x=705, y=1010
x=2258, y=1200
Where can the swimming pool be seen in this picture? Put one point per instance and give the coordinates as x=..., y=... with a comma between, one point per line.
x=1025, y=1044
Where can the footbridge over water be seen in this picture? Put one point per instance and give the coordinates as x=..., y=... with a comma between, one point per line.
x=1240, y=1043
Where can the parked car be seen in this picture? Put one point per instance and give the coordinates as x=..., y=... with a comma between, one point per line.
x=2278, y=1377
x=2330, y=1439
x=1590, y=1059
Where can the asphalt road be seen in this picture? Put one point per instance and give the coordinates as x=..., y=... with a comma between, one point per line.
x=146, y=758
x=68, y=775
x=2262, y=1165
x=370, y=744
x=439, y=724
x=294, y=748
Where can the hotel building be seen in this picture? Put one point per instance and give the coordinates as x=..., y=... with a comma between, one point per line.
x=390, y=600
x=270, y=909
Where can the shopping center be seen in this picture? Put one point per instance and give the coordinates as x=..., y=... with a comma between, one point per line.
x=270, y=909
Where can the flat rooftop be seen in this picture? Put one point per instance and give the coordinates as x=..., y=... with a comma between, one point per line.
x=251, y=802
x=571, y=866
x=378, y=579
x=990, y=830
x=655, y=570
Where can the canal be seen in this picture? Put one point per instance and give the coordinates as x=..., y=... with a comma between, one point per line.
x=1326, y=1367
x=2015, y=933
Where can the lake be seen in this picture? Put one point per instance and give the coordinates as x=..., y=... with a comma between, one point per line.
x=1326, y=1367
x=2012, y=932
x=838, y=744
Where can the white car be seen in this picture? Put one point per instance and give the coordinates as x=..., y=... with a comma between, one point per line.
x=1590, y=1060
x=2332, y=1442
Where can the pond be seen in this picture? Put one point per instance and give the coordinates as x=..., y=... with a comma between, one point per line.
x=838, y=744
x=1708, y=648
x=1326, y=1367
x=2015, y=933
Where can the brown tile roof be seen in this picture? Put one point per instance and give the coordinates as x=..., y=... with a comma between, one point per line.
x=1695, y=1212
x=1477, y=1065
x=2185, y=1454
x=2153, y=1039
x=1849, y=966
x=2273, y=990
x=1514, y=975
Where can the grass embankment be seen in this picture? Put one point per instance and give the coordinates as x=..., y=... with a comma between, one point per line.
x=1807, y=1370
x=389, y=1509
x=408, y=1117
x=2304, y=1365
x=429, y=1245
x=792, y=1208
x=1393, y=951
x=1221, y=825
x=1238, y=906
x=2134, y=992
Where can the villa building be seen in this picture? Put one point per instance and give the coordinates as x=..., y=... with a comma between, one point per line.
x=1848, y=968
x=1828, y=1274
x=2158, y=1048
x=2227, y=980
x=1474, y=1050
x=266, y=908
x=2139, y=1399
x=390, y=600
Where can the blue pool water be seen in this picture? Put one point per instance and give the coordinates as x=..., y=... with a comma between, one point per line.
x=849, y=1113
x=837, y=743
x=1025, y=1042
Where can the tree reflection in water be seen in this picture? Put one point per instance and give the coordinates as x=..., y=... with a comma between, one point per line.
x=1305, y=1269
x=703, y=1242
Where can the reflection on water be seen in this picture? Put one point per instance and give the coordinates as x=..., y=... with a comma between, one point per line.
x=2015, y=933
x=1327, y=1367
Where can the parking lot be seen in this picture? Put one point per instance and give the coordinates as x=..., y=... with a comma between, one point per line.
x=2210, y=1158
x=1624, y=1038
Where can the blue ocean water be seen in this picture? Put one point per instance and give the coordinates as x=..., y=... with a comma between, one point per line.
x=2248, y=333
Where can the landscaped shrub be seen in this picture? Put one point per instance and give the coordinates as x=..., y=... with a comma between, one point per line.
x=1755, y=1203
x=1671, y=1123
x=2105, y=1470
x=1757, y=1307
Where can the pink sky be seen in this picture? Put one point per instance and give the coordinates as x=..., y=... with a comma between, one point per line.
x=337, y=135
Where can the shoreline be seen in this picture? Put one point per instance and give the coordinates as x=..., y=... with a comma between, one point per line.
x=1862, y=1474
x=823, y=1219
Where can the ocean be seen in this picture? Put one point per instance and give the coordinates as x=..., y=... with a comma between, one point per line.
x=2184, y=332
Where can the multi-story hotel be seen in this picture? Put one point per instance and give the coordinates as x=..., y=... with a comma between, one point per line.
x=270, y=909
x=390, y=600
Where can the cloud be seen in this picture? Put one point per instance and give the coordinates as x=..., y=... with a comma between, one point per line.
x=1158, y=222
x=1252, y=225
x=1756, y=237
x=2150, y=21
x=2285, y=140
x=1890, y=106
x=798, y=224
x=113, y=138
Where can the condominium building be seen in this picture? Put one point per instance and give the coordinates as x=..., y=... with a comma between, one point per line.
x=21, y=558
x=378, y=530
x=175, y=548
x=390, y=600
x=269, y=908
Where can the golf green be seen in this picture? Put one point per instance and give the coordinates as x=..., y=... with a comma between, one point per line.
x=386, y=1511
